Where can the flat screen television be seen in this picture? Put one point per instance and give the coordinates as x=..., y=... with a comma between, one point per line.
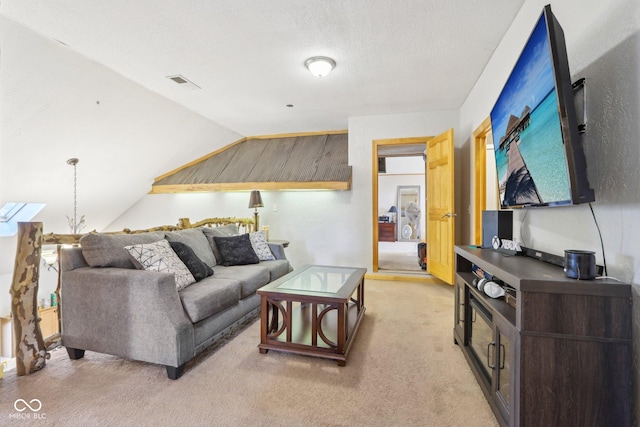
x=537, y=145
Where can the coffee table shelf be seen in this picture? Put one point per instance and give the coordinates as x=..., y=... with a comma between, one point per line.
x=314, y=311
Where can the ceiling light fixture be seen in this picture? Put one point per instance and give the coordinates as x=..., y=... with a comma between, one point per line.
x=320, y=66
x=74, y=225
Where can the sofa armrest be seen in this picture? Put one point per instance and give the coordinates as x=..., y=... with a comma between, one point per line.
x=129, y=313
x=277, y=249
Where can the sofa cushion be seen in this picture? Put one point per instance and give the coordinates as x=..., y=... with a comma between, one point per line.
x=236, y=250
x=209, y=296
x=224, y=230
x=277, y=268
x=107, y=250
x=196, y=240
x=260, y=246
x=159, y=256
x=196, y=266
x=251, y=277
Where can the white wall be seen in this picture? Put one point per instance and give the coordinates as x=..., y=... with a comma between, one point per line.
x=603, y=44
x=319, y=224
x=362, y=131
x=56, y=105
x=324, y=227
x=401, y=171
x=388, y=190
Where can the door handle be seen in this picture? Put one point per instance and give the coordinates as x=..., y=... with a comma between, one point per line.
x=449, y=215
x=489, y=364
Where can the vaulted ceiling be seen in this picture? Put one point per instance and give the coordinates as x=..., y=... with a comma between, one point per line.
x=248, y=56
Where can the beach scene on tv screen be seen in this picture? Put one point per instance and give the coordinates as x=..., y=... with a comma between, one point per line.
x=527, y=135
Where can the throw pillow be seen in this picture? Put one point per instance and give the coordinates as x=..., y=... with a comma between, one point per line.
x=236, y=250
x=222, y=231
x=159, y=256
x=107, y=250
x=260, y=246
x=196, y=240
x=196, y=266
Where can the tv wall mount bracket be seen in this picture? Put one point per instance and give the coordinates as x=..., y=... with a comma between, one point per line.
x=581, y=85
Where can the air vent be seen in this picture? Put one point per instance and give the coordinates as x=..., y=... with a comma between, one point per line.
x=184, y=82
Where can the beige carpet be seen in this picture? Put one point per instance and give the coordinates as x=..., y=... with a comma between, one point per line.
x=403, y=370
x=399, y=256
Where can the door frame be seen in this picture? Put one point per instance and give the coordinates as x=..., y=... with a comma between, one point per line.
x=479, y=177
x=374, y=185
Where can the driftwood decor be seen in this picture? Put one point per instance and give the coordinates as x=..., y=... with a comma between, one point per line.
x=31, y=348
x=245, y=224
x=31, y=353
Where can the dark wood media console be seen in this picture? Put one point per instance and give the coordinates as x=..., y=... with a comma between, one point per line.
x=561, y=357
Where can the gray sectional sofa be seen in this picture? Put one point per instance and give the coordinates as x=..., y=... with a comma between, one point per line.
x=111, y=304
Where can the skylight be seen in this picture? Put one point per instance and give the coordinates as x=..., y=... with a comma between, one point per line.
x=12, y=213
x=9, y=210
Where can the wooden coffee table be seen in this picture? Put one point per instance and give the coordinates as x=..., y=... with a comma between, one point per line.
x=314, y=310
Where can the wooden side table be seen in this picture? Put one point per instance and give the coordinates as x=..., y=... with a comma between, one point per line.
x=7, y=346
x=48, y=327
x=386, y=231
x=284, y=243
x=49, y=322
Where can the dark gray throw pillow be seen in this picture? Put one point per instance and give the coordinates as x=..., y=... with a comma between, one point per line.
x=221, y=231
x=198, y=268
x=236, y=250
x=196, y=240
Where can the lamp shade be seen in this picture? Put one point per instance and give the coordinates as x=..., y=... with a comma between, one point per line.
x=255, y=200
x=393, y=209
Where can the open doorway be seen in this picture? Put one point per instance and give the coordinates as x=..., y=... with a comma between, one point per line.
x=399, y=203
x=485, y=181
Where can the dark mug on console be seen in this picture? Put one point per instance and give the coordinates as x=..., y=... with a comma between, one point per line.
x=580, y=265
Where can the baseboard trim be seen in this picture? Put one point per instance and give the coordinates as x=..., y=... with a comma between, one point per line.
x=399, y=277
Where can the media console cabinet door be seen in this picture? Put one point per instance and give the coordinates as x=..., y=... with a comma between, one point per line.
x=561, y=356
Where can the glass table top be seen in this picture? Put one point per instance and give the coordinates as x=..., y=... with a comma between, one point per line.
x=319, y=279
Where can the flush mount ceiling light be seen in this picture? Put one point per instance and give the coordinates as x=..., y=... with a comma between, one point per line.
x=320, y=66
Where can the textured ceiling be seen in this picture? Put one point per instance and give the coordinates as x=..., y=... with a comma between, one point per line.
x=248, y=56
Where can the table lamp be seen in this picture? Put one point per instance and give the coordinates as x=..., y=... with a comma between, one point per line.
x=255, y=201
x=393, y=210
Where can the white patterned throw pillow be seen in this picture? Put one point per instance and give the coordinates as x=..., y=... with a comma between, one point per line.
x=159, y=256
x=260, y=246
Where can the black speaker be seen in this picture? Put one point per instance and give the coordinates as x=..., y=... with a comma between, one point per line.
x=496, y=223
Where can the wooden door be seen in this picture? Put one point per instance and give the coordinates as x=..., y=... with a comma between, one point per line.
x=440, y=207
